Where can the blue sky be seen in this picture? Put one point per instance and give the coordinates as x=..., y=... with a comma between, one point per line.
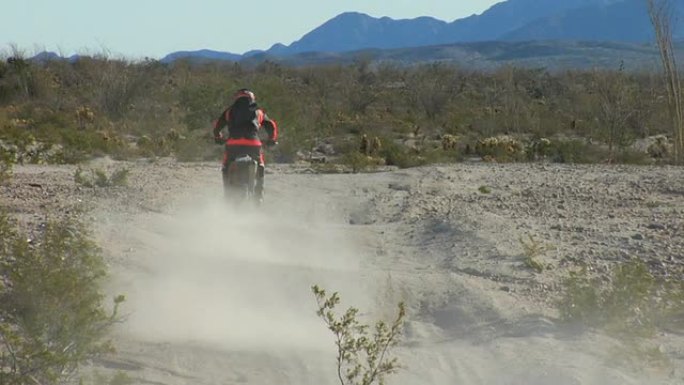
x=153, y=28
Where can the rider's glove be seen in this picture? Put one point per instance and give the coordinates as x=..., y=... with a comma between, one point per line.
x=218, y=140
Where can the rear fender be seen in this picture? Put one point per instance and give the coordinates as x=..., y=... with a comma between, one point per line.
x=242, y=171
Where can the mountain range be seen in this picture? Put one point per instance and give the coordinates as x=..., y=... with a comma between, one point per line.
x=624, y=21
x=556, y=33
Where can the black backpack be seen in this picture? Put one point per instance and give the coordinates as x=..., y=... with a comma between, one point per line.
x=243, y=120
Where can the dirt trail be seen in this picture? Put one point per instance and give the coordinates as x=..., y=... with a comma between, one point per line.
x=217, y=296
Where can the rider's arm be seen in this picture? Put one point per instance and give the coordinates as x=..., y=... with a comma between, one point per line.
x=271, y=128
x=221, y=122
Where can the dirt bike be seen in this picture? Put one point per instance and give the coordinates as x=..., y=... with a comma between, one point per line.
x=240, y=179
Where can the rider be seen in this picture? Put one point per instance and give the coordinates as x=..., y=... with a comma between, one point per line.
x=244, y=119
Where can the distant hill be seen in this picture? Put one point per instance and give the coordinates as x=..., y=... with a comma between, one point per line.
x=204, y=54
x=507, y=16
x=551, y=55
x=599, y=20
x=351, y=31
x=625, y=21
x=46, y=56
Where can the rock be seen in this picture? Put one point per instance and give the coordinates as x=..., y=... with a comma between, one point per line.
x=656, y=226
x=325, y=148
x=638, y=237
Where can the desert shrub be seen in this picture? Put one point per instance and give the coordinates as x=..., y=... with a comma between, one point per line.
x=78, y=147
x=538, y=148
x=629, y=156
x=7, y=160
x=438, y=155
x=52, y=315
x=99, y=178
x=449, y=142
x=661, y=149
x=154, y=146
x=143, y=99
x=533, y=250
x=356, y=161
x=617, y=97
x=18, y=76
x=96, y=378
x=576, y=151
x=196, y=146
x=203, y=103
x=631, y=301
x=43, y=135
x=398, y=155
x=363, y=356
x=118, y=85
x=502, y=148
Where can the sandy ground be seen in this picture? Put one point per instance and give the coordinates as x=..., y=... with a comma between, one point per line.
x=218, y=295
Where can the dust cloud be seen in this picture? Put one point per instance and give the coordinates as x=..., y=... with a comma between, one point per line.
x=230, y=290
x=238, y=279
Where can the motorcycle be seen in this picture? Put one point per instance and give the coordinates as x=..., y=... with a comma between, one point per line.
x=240, y=179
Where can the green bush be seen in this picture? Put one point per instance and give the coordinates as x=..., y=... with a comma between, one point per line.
x=363, y=357
x=357, y=162
x=197, y=147
x=576, y=151
x=533, y=249
x=203, y=104
x=99, y=178
x=400, y=156
x=6, y=165
x=627, y=156
x=418, y=105
x=631, y=301
x=119, y=378
x=52, y=315
x=501, y=149
x=484, y=189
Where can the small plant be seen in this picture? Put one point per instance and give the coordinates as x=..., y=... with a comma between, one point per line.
x=533, y=264
x=532, y=250
x=576, y=151
x=359, y=162
x=631, y=301
x=638, y=353
x=81, y=179
x=538, y=148
x=484, y=189
x=500, y=148
x=6, y=165
x=120, y=378
x=99, y=178
x=363, y=357
x=119, y=177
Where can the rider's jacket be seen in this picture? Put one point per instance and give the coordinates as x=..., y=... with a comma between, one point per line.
x=244, y=122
